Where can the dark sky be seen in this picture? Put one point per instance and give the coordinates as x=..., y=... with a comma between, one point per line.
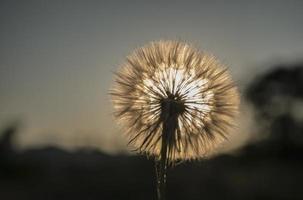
x=57, y=57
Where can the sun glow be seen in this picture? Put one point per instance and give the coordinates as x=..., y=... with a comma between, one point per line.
x=184, y=86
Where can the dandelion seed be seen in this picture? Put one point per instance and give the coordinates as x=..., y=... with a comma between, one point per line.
x=202, y=98
x=176, y=102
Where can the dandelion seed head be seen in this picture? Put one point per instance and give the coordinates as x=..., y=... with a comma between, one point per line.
x=172, y=81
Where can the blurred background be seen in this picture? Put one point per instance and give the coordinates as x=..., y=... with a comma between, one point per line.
x=58, y=138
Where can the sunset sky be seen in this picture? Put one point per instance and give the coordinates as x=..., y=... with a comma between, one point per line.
x=57, y=58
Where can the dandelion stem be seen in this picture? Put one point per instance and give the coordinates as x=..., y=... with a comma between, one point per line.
x=170, y=123
x=161, y=168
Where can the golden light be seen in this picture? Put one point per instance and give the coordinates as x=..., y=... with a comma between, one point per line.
x=173, y=82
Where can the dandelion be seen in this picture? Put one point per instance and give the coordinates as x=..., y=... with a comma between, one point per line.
x=176, y=103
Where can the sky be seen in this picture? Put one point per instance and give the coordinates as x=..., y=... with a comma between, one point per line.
x=57, y=58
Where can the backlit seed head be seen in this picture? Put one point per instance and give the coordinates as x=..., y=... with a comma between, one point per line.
x=172, y=82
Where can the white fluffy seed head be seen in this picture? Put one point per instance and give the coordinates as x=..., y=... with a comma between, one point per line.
x=205, y=96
